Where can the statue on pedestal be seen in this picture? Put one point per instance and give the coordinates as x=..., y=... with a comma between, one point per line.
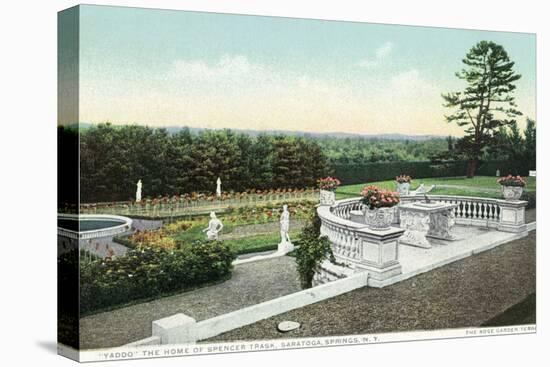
x=218, y=187
x=138, y=191
x=214, y=227
x=285, y=246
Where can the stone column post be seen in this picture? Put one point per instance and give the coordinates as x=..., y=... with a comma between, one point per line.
x=512, y=216
x=379, y=253
x=175, y=329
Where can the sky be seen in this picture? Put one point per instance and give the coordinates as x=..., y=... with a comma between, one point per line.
x=176, y=68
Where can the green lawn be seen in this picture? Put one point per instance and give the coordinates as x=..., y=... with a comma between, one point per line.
x=263, y=242
x=471, y=185
x=252, y=243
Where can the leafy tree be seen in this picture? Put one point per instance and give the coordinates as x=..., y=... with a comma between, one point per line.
x=486, y=103
x=519, y=148
x=313, y=250
x=531, y=144
x=114, y=158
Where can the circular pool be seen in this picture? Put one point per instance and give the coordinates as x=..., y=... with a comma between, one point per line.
x=88, y=226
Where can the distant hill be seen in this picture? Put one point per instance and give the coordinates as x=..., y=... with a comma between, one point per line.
x=342, y=135
x=175, y=129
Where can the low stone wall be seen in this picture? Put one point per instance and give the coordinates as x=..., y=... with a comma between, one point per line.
x=182, y=329
x=329, y=272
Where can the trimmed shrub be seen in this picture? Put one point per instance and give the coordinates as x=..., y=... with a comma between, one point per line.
x=381, y=171
x=312, y=251
x=148, y=272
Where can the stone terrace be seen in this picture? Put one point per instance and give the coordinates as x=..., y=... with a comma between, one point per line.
x=465, y=293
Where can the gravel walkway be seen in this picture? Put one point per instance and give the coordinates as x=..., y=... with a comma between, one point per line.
x=462, y=294
x=146, y=224
x=250, y=284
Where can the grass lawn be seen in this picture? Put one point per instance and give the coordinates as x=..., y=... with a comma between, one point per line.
x=479, y=186
x=263, y=242
x=244, y=245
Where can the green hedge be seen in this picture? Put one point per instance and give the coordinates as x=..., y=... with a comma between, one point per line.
x=147, y=273
x=381, y=171
x=489, y=168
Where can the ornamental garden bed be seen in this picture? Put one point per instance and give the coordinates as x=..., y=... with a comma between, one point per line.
x=246, y=230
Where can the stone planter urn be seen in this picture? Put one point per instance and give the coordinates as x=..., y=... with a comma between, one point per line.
x=403, y=188
x=327, y=197
x=512, y=192
x=379, y=219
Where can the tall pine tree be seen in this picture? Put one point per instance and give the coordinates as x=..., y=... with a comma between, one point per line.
x=487, y=102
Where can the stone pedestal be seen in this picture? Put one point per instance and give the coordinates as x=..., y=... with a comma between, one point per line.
x=327, y=197
x=426, y=219
x=403, y=188
x=285, y=247
x=379, y=252
x=512, y=216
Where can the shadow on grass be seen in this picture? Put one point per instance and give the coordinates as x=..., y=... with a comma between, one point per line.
x=521, y=313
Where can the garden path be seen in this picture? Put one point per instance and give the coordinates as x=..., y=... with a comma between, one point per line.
x=250, y=284
x=465, y=293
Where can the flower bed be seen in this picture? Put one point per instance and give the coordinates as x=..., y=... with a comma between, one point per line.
x=176, y=234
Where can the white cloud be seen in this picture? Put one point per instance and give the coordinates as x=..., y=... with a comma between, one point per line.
x=384, y=50
x=380, y=54
x=234, y=91
x=227, y=67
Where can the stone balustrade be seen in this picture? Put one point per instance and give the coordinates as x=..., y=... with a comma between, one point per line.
x=357, y=247
x=503, y=215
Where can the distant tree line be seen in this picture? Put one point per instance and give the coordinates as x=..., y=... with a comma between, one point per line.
x=114, y=158
x=361, y=150
x=514, y=145
x=510, y=150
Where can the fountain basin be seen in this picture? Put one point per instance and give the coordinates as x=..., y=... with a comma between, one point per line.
x=88, y=226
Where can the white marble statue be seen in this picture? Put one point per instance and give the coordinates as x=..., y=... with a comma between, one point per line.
x=218, y=187
x=285, y=245
x=138, y=191
x=214, y=227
